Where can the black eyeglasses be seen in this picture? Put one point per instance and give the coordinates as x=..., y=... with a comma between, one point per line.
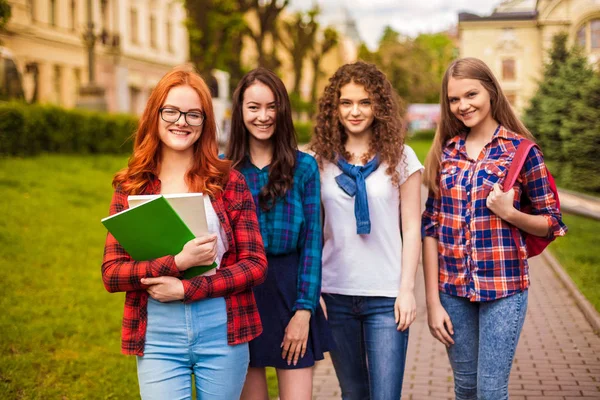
x=192, y=118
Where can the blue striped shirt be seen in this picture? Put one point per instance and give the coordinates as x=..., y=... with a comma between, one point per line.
x=294, y=223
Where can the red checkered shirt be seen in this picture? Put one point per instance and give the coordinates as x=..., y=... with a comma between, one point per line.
x=478, y=258
x=243, y=266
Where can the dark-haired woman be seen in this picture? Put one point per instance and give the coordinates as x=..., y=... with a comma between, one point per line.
x=286, y=189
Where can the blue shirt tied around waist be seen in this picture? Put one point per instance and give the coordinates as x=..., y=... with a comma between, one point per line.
x=352, y=181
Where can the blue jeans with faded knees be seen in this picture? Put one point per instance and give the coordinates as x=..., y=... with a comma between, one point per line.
x=369, y=353
x=485, y=339
x=185, y=339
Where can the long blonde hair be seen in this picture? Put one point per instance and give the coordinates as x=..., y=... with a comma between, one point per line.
x=450, y=126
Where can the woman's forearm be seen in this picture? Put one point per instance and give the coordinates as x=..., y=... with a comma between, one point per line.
x=411, y=248
x=431, y=269
x=533, y=224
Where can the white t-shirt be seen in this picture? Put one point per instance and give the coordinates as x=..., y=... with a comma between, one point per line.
x=364, y=265
x=214, y=226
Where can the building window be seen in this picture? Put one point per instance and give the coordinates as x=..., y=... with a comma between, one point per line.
x=134, y=99
x=133, y=26
x=52, y=12
x=581, y=36
x=57, y=83
x=508, y=69
x=31, y=4
x=153, y=32
x=512, y=98
x=169, y=29
x=595, y=33
x=73, y=14
x=588, y=35
x=77, y=75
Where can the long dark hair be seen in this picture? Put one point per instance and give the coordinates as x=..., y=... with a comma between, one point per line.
x=450, y=126
x=285, y=145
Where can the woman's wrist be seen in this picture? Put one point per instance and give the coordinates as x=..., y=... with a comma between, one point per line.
x=303, y=314
x=407, y=287
x=433, y=300
x=180, y=263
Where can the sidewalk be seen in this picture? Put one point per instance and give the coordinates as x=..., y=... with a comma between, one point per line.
x=576, y=203
x=558, y=356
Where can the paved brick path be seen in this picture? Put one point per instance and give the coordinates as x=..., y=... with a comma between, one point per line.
x=558, y=357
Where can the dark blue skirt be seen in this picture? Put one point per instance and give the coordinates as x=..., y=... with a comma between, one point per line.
x=275, y=299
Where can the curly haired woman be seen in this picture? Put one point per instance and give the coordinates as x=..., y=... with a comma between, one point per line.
x=372, y=239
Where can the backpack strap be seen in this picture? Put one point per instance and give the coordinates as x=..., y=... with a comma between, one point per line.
x=511, y=178
x=517, y=163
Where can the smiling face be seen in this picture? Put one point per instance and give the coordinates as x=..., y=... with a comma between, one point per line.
x=179, y=136
x=259, y=110
x=469, y=102
x=355, y=110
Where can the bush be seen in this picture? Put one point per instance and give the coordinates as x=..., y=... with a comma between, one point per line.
x=27, y=130
x=564, y=116
x=304, y=131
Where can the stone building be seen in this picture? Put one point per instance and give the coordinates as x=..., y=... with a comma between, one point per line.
x=137, y=42
x=514, y=40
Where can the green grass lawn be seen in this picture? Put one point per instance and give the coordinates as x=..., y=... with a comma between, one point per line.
x=60, y=328
x=420, y=146
x=576, y=254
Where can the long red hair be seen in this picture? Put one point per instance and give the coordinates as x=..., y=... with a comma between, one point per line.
x=208, y=173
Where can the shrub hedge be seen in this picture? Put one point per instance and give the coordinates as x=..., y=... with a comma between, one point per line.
x=304, y=131
x=26, y=130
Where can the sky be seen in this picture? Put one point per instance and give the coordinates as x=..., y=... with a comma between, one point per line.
x=409, y=17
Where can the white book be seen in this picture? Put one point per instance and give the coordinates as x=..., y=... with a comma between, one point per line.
x=189, y=206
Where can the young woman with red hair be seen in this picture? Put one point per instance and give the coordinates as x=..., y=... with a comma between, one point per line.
x=199, y=326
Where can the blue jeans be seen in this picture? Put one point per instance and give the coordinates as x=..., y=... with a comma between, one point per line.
x=369, y=353
x=184, y=339
x=485, y=340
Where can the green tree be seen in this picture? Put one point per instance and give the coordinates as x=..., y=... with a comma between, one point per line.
x=322, y=47
x=544, y=115
x=5, y=13
x=267, y=12
x=301, y=32
x=438, y=51
x=215, y=28
x=580, y=133
x=414, y=66
x=564, y=115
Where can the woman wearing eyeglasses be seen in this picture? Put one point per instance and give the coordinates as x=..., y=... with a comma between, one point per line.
x=199, y=326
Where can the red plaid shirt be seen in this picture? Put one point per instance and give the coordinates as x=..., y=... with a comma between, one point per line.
x=243, y=266
x=478, y=258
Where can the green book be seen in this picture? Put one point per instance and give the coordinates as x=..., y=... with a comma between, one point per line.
x=152, y=230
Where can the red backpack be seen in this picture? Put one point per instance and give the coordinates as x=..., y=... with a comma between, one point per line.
x=535, y=244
